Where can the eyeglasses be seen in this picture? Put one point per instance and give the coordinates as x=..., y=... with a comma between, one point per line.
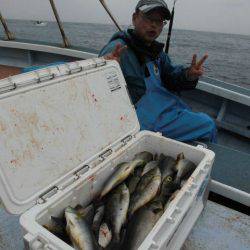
x=150, y=19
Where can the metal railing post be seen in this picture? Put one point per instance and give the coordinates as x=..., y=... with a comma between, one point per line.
x=9, y=35
x=110, y=14
x=65, y=40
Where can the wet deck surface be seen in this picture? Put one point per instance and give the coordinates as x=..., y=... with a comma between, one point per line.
x=217, y=228
x=220, y=228
x=6, y=71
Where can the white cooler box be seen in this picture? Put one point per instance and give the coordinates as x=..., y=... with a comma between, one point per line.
x=62, y=132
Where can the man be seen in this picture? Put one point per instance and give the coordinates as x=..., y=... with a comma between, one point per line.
x=151, y=78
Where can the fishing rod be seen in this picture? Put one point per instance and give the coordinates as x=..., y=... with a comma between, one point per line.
x=110, y=14
x=170, y=28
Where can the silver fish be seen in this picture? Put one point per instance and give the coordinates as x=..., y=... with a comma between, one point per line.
x=78, y=230
x=134, y=179
x=168, y=187
x=105, y=235
x=184, y=168
x=87, y=213
x=116, y=210
x=141, y=224
x=149, y=166
x=57, y=227
x=146, y=190
x=167, y=167
x=97, y=220
x=124, y=170
x=145, y=156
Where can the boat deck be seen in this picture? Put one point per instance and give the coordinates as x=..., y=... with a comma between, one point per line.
x=217, y=228
x=6, y=71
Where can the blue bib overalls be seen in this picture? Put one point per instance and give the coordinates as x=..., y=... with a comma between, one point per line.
x=161, y=111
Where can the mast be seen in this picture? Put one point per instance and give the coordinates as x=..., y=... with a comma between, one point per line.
x=65, y=39
x=9, y=35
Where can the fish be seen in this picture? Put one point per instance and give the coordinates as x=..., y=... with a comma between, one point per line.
x=145, y=191
x=105, y=235
x=167, y=167
x=116, y=209
x=134, y=179
x=141, y=224
x=145, y=156
x=87, y=212
x=184, y=168
x=57, y=226
x=78, y=230
x=124, y=170
x=172, y=197
x=149, y=166
x=168, y=187
x=97, y=220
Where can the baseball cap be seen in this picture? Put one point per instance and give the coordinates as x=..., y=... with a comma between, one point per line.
x=147, y=5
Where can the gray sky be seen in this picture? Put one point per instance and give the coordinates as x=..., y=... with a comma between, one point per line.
x=229, y=16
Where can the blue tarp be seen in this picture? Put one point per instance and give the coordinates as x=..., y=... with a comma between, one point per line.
x=32, y=68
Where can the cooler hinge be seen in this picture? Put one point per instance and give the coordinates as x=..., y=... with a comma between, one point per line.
x=6, y=87
x=125, y=140
x=12, y=84
x=105, y=154
x=43, y=198
x=76, y=67
x=40, y=76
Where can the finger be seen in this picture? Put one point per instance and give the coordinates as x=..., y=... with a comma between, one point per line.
x=203, y=59
x=108, y=57
x=194, y=60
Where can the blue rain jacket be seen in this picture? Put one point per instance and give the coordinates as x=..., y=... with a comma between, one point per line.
x=151, y=77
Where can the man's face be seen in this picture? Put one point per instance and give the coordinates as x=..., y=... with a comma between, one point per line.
x=148, y=26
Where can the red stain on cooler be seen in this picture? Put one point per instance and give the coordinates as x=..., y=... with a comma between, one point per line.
x=91, y=178
x=13, y=162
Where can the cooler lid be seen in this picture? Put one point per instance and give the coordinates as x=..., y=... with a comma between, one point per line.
x=54, y=119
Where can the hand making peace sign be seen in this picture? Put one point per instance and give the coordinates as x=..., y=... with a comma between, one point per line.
x=196, y=69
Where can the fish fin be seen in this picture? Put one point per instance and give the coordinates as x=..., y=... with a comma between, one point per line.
x=180, y=157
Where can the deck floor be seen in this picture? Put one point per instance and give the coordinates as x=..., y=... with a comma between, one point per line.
x=6, y=71
x=219, y=228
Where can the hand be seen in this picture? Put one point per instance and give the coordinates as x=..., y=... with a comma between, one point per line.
x=116, y=54
x=196, y=69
